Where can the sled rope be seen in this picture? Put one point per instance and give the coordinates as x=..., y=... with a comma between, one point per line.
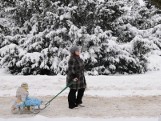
x=48, y=103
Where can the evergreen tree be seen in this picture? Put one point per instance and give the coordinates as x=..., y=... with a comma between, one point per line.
x=115, y=36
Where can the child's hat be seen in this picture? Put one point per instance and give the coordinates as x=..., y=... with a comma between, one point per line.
x=25, y=85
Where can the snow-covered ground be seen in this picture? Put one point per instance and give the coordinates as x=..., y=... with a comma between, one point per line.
x=106, y=86
x=41, y=118
x=98, y=86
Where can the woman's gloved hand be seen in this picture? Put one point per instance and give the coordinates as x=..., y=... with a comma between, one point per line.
x=75, y=79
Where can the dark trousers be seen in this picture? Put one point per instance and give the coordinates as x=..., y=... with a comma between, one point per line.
x=75, y=99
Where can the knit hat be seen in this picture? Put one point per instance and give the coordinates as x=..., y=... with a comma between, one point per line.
x=73, y=49
x=25, y=86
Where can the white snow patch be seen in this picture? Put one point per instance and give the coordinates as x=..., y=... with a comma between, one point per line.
x=42, y=118
x=103, y=86
x=101, y=0
x=142, y=3
x=4, y=72
x=154, y=61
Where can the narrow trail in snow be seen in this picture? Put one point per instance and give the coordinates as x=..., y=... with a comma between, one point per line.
x=95, y=107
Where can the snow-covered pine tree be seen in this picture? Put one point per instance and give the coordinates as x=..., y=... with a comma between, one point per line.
x=116, y=36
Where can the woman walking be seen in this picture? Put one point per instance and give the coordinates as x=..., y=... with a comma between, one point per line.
x=75, y=74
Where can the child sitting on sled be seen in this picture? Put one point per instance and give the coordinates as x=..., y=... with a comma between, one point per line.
x=23, y=101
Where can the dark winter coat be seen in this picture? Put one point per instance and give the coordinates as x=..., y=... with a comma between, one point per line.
x=76, y=70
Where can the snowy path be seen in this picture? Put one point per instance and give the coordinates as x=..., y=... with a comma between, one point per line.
x=106, y=97
x=42, y=118
x=104, y=86
x=96, y=107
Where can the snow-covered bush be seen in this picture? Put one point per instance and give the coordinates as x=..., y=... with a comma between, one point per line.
x=114, y=36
